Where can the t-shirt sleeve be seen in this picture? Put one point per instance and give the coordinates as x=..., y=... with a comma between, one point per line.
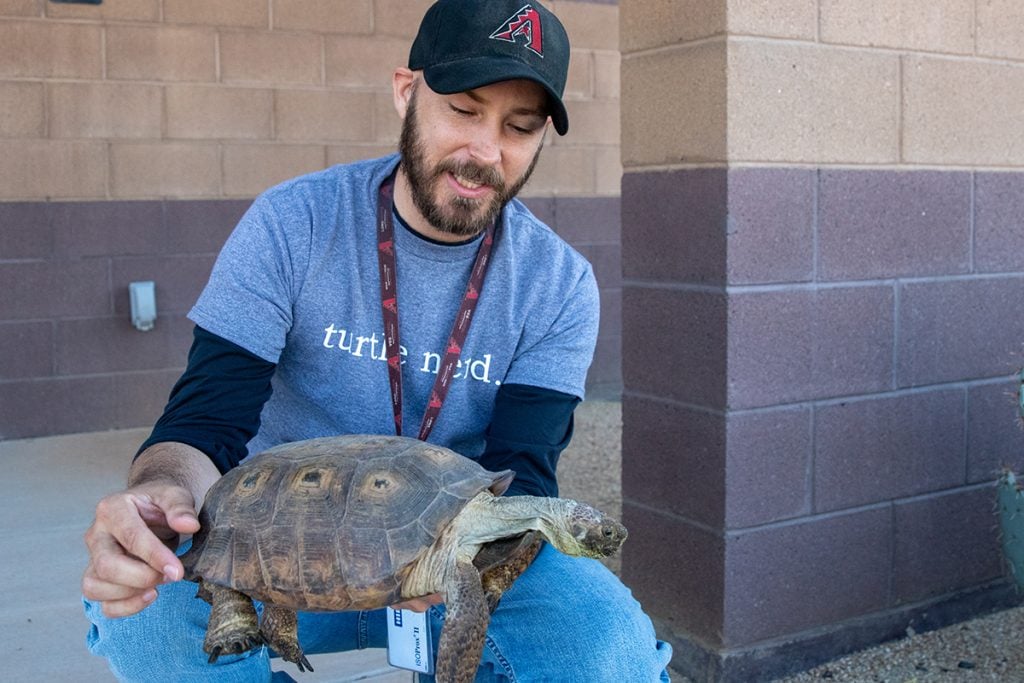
x=248, y=299
x=559, y=358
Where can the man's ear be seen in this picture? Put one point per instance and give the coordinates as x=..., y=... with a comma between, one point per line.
x=402, y=82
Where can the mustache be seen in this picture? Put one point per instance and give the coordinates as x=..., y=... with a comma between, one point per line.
x=484, y=175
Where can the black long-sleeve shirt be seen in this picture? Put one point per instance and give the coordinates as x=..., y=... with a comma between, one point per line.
x=215, y=407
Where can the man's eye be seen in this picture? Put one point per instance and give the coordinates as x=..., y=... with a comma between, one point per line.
x=460, y=112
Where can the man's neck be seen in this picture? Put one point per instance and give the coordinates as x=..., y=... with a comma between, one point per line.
x=406, y=207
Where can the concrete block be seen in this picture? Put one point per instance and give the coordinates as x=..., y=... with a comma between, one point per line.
x=22, y=110
x=323, y=115
x=50, y=50
x=271, y=57
x=224, y=13
x=216, y=112
x=882, y=224
x=999, y=222
x=798, y=344
x=324, y=16
x=877, y=449
x=956, y=330
x=52, y=169
x=104, y=110
x=1000, y=25
x=161, y=53
x=937, y=26
x=685, y=85
x=251, y=169
x=167, y=169
x=655, y=23
x=811, y=104
x=962, y=112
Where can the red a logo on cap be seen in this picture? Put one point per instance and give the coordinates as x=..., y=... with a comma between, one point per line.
x=525, y=22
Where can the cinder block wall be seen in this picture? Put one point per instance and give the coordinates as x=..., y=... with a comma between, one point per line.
x=823, y=234
x=133, y=134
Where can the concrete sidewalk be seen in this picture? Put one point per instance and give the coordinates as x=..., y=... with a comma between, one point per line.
x=47, y=496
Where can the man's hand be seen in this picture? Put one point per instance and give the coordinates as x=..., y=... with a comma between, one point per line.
x=420, y=604
x=131, y=545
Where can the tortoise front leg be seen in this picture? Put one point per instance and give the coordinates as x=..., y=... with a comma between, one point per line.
x=280, y=630
x=465, y=626
x=501, y=562
x=232, y=628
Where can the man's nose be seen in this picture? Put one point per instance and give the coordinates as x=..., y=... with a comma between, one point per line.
x=485, y=148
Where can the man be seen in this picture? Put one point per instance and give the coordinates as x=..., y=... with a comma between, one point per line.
x=289, y=344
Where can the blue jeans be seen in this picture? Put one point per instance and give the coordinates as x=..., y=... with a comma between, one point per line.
x=565, y=619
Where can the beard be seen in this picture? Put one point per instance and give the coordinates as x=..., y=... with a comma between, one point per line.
x=459, y=216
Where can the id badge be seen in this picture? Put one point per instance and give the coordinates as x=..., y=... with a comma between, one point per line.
x=409, y=641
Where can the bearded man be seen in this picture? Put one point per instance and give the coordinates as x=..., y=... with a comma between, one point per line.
x=297, y=336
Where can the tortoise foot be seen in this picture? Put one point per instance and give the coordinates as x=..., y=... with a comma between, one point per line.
x=280, y=631
x=232, y=629
x=231, y=645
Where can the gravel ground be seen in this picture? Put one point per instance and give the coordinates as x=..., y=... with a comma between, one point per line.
x=989, y=648
x=983, y=649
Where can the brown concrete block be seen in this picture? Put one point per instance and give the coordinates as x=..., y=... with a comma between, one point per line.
x=21, y=8
x=962, y=112
x=50, y=50
x=310, y=115
x=38, y=290
x=222, y=13
x=346, y=154
x=104, y=110
x=164, y=170
x=652, y=23
x=580, y=82
x=802, y=103
x=386, y=124
x=607, y=71
x=324, y=16
x=218, y=112
x=399, y=17
x=937, y=25
x=118, y=10
x=779, y=18
x=589, y=25
x=687, y=86
x=591, y=122
x=607, y=171
x=52, y=168
x=1000, y=26
x=161, y=53
x=26, y=350
x=562, y=171
x=364, y=61
x=250, y=169
x=271, y=57
x=21, y=110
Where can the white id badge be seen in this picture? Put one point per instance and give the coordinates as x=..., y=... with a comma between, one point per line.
x=409, y=641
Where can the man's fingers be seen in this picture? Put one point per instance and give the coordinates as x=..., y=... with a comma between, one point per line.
x=120, y=521
x=129, y=606
x=111, y=565
x=421, y=604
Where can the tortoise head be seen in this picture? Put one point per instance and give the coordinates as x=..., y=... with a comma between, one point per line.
x=588, y=532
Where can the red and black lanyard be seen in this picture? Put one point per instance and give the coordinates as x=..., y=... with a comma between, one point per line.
x=389, y=306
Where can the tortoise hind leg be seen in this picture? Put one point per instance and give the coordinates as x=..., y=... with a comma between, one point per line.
x=232, y=628
x=280, y=631
x=465, y=626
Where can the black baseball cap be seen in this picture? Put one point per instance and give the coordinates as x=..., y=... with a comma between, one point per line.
x=466, y=44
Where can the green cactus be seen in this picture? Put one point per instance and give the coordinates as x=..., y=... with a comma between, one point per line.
x=1011, y=523
x=1010, y=501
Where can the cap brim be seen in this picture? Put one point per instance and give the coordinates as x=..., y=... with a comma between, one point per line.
x=467, y=74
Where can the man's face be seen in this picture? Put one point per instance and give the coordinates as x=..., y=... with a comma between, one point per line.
x=466, y=155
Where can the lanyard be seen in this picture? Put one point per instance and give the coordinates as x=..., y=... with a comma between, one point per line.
x=389, y=307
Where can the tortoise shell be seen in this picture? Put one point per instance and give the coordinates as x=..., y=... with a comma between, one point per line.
x=334, y=523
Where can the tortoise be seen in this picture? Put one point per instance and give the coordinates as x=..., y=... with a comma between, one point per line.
x=361, y=522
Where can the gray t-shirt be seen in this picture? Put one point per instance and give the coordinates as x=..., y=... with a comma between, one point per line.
x=297, y=284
